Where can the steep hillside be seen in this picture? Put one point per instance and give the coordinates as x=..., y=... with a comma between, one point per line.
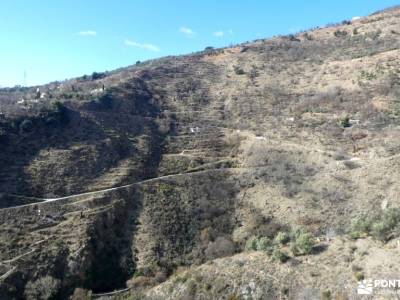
x=260, y=171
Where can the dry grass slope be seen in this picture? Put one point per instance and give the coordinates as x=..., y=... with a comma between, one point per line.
x=231, y=173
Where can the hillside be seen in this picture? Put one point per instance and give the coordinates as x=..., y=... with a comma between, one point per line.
x=266, y=170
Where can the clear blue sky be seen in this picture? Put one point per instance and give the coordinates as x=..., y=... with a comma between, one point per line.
x=59, y=39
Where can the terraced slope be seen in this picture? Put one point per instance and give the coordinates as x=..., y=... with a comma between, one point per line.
x=174, y=163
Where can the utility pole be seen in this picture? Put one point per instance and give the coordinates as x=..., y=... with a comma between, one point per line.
x=25, y=78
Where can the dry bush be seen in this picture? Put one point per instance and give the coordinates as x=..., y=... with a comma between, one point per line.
x=221, y=247
x=81, y=294
x=140, y=282
x=340, y=155
x=351, y=164
x=206, y=235
x=42, y=289
x=160, y=277
x=358, y=135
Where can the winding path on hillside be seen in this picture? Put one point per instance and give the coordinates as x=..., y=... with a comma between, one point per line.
x=195, y=171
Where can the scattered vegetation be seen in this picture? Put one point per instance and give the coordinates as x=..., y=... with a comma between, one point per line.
x=96, y=75
x=301, y=243
x=287, y=72
x=382, y=226
x=367, y=75
x=44, y=288
x=340, y=33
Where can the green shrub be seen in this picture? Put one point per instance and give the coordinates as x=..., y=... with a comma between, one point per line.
x=367, y=75
x=263, y=244
x=138, y=273
x=239, y=71
x=379, y=230
x=251, y=244
x=326, y=295
x=386, y=225
x=302, y=242
x=361, y=224
x=280, y=256
x=259, y=244
x=359, y=276
x=391, y=217
x=355, y=235
x=282, y=238
x=345, y=121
